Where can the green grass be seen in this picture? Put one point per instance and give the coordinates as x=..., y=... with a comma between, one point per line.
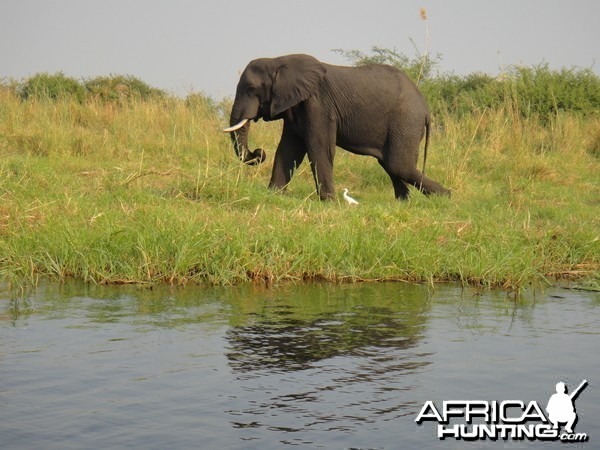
x=150, y=192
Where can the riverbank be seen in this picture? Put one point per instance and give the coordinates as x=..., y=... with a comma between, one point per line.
x=150, y=192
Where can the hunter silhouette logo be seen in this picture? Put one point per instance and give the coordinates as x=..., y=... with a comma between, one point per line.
x=509, y=419
x=561, y=408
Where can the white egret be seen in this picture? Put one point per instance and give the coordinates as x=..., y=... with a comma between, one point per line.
x=349, y=199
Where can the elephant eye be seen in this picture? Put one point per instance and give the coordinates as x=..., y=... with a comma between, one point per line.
x=251, y=90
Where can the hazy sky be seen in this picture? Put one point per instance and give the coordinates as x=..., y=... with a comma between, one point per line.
x=183, y=45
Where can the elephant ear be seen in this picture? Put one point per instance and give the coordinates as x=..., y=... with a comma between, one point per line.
x=297, y=78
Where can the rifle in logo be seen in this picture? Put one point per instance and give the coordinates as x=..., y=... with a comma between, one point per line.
x=561, y=408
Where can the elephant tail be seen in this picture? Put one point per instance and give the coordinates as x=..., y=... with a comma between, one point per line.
x=427, y=128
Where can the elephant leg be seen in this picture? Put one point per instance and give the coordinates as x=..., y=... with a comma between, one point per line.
x=411, y=175
x=400, y=188
x=288, y=157
x=423, y=183
x=400, y=162
x=415, y=177
x=321, y=154
x=428, y=186
x=323, y=175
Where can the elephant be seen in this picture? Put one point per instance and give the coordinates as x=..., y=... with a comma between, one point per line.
x=373, y=110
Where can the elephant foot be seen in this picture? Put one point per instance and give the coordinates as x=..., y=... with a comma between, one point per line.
x=326, y=196
x=444, y=193
x=433, y=188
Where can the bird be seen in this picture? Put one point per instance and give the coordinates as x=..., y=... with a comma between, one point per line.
x=349, y=199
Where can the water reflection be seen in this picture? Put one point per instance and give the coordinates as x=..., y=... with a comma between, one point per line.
x=318, y=365
x=284, y=334
x=328, y=359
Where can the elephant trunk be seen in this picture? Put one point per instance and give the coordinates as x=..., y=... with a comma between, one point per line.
x=239, y=136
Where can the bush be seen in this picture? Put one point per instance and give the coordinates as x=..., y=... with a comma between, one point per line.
x=542, y=91
x=463, y=95
x=417, y=68
x=115, y=88
x=44, y=86
x=120, y=88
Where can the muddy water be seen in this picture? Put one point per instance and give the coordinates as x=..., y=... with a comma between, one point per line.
x=314, y=366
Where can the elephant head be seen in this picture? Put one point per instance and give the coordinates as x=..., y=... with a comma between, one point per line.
x=268, y=88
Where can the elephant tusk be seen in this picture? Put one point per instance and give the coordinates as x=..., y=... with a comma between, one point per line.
x=235, y=127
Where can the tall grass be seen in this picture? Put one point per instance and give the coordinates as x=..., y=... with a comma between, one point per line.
x=147, y=191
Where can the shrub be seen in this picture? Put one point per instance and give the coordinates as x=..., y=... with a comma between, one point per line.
x=462, y=95
x=418, y=68
x=120, y=88
x=44, y=86
x=542, y=91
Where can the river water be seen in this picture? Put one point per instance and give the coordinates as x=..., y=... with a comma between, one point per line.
x=298, y=366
